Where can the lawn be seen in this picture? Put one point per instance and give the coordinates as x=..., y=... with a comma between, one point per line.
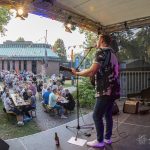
x=9, y=128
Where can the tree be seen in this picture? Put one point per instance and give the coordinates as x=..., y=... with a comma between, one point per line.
x=90, y=40
x=60, y=49
x=20, y=39
x=5, y=16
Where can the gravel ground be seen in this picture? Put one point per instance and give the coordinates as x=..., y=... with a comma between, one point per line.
x=46, y=121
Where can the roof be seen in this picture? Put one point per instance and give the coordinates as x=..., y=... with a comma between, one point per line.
x=94, y=15
x=23, y=50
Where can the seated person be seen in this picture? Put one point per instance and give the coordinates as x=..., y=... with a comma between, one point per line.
x=44, y=89
x=53, y=102
x=46, y=98
x=32, y=106
x=9, y=107
x=25, y=94
x=39, y=87
x=71, y=103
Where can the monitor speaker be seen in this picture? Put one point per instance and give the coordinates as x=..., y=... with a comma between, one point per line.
x=3, y=145
x=131, y=106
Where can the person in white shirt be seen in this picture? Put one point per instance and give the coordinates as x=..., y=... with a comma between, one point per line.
x=53, y=99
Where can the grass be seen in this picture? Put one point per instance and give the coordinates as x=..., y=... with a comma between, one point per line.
x=67, y=83
x=9, y=128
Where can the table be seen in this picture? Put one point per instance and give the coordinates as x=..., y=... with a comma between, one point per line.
x=18, y=101
x=63, y=100
x=1, y=89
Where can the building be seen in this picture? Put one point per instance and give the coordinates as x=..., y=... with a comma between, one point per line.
x=26, y=55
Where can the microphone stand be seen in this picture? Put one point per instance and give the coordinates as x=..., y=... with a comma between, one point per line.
x=78, y=127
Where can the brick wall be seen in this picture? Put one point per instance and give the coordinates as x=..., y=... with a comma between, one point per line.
x=5, y=65
x=17, y=65
x=53, y=68
x=29, y=66
x=39, y=67
x=22, y=65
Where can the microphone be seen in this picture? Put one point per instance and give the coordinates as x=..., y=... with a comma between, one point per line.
x=95, y=46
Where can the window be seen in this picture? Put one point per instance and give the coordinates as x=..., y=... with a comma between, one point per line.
x=34, y=66
x=13, y=64
x=25, y=65
x=20, y=65
x=8, y=65
x=2, y=64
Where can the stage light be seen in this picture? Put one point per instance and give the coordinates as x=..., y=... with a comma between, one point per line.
x=19, y=17
x=20, y=11
x=67, y=29
x=21, y=14
x=69, y=25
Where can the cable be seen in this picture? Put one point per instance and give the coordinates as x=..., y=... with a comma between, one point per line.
x=122, y=135
x=119, y=133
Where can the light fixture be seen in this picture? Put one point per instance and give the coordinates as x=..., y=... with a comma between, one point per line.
x=20, y=11
x=21, y=14
x=67, y=29
x=69, y=25
x=126, y=26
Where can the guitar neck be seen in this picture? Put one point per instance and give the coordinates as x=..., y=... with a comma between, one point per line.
x=62, y=68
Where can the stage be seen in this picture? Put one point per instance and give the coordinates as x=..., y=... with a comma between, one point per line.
x=130, y=132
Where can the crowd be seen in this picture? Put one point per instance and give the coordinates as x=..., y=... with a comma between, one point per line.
x=26, y=85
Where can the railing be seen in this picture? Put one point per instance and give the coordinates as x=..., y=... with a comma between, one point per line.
x=134, y=81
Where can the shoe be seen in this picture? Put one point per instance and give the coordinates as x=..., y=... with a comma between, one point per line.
x=20, y=123
x=95, y=144
x=27, y=119
x=108, y=141
x=63, y=117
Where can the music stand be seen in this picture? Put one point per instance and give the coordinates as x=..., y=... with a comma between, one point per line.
x=78, y=127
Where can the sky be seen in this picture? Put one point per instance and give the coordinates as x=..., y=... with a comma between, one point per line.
x=34, y=29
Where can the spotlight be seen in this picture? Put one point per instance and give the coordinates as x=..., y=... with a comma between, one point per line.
x=67, y=29
x=21, y=14
x=69, y=25
x=19, y=17
x=20, y=11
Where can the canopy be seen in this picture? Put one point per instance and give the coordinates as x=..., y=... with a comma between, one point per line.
x=95, y=15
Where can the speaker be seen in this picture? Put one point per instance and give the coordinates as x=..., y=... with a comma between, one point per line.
x=3, y=145
x=131, y=106
x=115, y=109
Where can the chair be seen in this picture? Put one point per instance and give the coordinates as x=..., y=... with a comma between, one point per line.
x=10, y=113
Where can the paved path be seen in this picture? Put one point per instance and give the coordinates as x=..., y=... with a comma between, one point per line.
x=46, y=121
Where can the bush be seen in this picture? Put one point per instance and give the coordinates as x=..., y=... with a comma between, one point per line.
x=86, y=94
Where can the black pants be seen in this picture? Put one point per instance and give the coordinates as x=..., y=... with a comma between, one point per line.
x=103, y=107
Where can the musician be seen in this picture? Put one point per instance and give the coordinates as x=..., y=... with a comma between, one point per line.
x=105, y=70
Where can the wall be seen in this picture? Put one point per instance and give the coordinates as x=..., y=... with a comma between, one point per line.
x=29, y=66
x=53, y=68
x=39, y=67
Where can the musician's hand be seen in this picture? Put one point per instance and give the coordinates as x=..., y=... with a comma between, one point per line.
x=74, y=71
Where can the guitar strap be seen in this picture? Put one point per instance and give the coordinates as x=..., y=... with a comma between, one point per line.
x=100, y=87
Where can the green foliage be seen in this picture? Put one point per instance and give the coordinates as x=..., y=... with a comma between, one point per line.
x=9, y=129
x=60, y=49
x=5, y=16
x=20, y=39
x=86, y=94
x=134, y=44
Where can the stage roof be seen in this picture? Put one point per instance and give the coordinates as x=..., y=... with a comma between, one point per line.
x=94, y=15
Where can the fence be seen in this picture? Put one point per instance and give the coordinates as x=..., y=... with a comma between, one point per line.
x=134, y=81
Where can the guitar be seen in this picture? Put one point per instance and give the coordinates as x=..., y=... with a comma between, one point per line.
x=62, y=68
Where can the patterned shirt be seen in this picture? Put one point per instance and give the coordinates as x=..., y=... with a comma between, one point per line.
x=108, y=68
